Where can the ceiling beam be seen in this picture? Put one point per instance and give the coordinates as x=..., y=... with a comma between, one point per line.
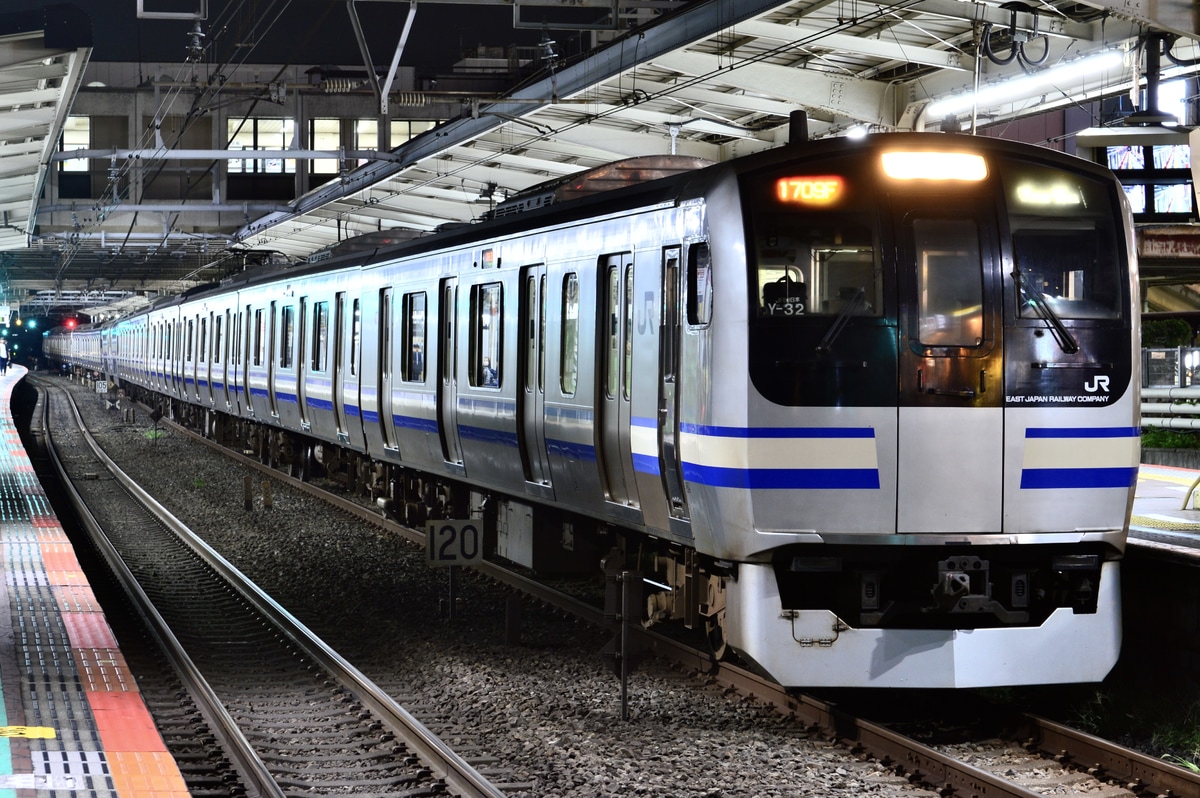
x=693, y=22
x=814, y=36
x=863, y=100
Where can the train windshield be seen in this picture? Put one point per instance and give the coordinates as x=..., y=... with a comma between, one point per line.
x=1065, y=248
x=822, y=322
x=814, y=254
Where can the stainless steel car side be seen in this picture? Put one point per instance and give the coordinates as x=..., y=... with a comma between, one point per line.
x=864, y=412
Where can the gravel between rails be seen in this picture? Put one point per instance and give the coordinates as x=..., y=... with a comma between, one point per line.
x=548, y=708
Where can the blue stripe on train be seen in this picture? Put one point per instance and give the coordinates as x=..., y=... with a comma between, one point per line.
x=1044, y=478
x=1082, y=432
x=783, y=478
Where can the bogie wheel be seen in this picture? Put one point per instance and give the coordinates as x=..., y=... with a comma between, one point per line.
x=713, y=611
x=714, y=629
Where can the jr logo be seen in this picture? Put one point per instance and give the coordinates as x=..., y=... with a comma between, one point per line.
x=645, y=320
x=1098, y=383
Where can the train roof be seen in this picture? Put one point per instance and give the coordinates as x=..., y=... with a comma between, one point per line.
x=611, y=188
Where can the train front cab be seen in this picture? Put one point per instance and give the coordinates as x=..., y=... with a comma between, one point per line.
x=942, y=447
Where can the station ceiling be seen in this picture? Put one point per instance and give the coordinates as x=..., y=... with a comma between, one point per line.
x=710, y=79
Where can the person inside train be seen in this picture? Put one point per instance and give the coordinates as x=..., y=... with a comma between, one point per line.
x=416, y=366
x=489, y=376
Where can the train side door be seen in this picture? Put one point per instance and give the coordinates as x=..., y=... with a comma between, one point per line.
x=668, y=405
x=951, y=414
x=208, y=345
x=190, y=376
x=448, y=371
x=531, y=395
x=271, y=354
x=246, y=354
x=337, y=379
x=387, y=321
x=177, y=368
x=223, y=333
x=614, y=414
x=303, y=344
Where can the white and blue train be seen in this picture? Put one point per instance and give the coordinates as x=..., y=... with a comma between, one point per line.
x=866, y=411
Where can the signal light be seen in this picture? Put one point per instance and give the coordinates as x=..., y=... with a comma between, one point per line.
x=70, y=324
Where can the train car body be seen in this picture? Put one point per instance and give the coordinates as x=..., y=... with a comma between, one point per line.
x=865, y=411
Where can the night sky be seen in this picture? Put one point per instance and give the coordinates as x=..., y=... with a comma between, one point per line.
x=300, y=31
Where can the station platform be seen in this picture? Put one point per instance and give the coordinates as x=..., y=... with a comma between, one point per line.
x=72, y=718
x=1166, y=508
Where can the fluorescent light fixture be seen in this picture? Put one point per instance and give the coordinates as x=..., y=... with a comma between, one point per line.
x=934, y=165
x=857, y=132
x=1010, y=90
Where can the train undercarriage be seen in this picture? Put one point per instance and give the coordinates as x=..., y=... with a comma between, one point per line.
x=678, y=584
x=908, y=588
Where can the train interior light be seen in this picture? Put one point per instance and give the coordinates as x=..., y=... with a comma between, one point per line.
x=934, y=165
x=1056, y=195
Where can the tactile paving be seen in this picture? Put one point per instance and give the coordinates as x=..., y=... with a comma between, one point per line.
x=72, y=721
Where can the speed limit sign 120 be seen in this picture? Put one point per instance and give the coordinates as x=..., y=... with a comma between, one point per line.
x=454, y=542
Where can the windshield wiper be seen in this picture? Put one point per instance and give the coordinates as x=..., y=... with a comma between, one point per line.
x=840, y=322
x=1037, y=299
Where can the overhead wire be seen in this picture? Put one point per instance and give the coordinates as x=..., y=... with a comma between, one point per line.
x=469, y=163
x=150, y=138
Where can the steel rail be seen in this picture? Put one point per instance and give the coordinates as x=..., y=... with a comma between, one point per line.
x=1136, y=771
x=259, y=781
x=459, y=776
x=1065, y=745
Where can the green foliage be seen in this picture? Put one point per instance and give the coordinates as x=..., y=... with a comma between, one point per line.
x=1160, y=333
x=1163, y=438
x=1163, y=726
x=1183, y=763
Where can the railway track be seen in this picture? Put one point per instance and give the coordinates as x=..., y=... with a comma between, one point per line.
x=288, y=714
x=1039, y=756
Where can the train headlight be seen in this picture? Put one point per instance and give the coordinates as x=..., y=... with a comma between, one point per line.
x=934, y=165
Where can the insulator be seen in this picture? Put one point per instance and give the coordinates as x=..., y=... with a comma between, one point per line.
x=408, y=98
x=338, y=85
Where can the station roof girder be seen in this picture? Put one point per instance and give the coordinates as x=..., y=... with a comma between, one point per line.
x=708, y=78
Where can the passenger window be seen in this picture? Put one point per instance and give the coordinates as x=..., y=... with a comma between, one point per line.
x=320, y=336
x=569, y=358
x=486, y=320
x=612, y=332
x=699, y=287
x=386, y=321
x=414, y=337
x=217, y=342
x=287, y=337
x=355, y=337
x=628, y=313
x=260, y=336
x=541, y=383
